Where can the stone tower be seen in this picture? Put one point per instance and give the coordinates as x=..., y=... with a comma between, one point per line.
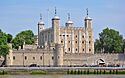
x=56, y=28
x=58, y=55
x=40, y=28
x=89, y=43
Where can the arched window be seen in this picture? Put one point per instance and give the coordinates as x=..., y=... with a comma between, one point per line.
x=33, y=58
x=25, y=57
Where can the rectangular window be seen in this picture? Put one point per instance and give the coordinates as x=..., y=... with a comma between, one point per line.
x=76, y=41
x=69, y=49
x=40, y=57
x=25, y=57
x=33, y=58
x=52, y=57
x=89, y=49
x=61, y=41
x=13, y=57
x=76, y=49
x=83, y=49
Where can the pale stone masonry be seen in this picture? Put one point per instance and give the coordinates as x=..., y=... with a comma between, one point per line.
x=74, y=39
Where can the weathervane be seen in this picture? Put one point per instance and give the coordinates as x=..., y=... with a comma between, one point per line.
x=68, y=16
x=55, y=11
x=40, y=16
x=87, y=11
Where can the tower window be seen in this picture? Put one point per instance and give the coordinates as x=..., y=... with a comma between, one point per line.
x=69, y=49
x=76, y=49
x=33, y=58
x=83, y=49
x=52, y=57
x=67, y=35
x=89, y=36
x=25, y=57
x=61, y=41
x=83, y=36
x=76, y=41
x=76, y=36
x=40, y=57
x=83, y=42
x=89, y=49
x=69, y=41
x=13, y=57
x=89, y=42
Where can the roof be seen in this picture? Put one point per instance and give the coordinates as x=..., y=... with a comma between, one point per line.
x=87, y=17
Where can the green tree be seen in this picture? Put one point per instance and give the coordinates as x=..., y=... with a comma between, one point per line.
x=24, y=36
x=124, y=45
x=4, y=48
x=109, y=41
x=3, y=38
x=9, y=38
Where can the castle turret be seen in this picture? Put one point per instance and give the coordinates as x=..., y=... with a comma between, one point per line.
x=58, y=55
x=56, y=28
x=89, y=43
x=40, y=28
x=69, y=23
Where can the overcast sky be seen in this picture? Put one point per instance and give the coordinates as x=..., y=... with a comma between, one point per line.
x=18, y=15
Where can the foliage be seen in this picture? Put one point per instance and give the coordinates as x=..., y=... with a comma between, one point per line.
x=109, y=41
x=26, y=37
x=9, y=38
x=3, y=38
x=4, y=48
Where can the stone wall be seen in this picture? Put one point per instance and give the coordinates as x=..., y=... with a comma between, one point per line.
x=46, y=57
x=27, y=57
x=94, y=59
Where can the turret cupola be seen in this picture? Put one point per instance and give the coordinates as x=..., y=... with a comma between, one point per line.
x=88, y=21
x=56, y=17
x=69, y=23
x=41, y=21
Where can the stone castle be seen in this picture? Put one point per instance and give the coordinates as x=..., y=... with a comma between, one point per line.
x=62, y=46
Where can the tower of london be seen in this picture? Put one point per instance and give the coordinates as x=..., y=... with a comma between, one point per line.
x=62, y=46
x=74, y=39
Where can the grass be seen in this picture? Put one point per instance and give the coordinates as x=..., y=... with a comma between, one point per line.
x=38, y=72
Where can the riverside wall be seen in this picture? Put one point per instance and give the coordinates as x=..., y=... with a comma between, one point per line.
x=46, y=58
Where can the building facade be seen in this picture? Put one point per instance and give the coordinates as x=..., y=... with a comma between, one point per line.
x=74, y=39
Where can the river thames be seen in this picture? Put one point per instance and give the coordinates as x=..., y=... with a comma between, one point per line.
x=62, y=76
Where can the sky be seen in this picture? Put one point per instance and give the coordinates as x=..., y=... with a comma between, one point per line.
x=19, y=15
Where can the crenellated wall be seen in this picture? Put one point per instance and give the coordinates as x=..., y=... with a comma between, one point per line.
x=46, y=57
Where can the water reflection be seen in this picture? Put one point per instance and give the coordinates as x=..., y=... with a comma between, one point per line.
x=62, y=76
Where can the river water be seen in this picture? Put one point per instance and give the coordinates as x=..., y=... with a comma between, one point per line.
x=62, y=76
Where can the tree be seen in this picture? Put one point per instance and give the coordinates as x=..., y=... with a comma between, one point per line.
x=3, y=38
x=124, y=45
x=26, y=36
x=109, y=41
x=9, y=38
x=4, y=48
